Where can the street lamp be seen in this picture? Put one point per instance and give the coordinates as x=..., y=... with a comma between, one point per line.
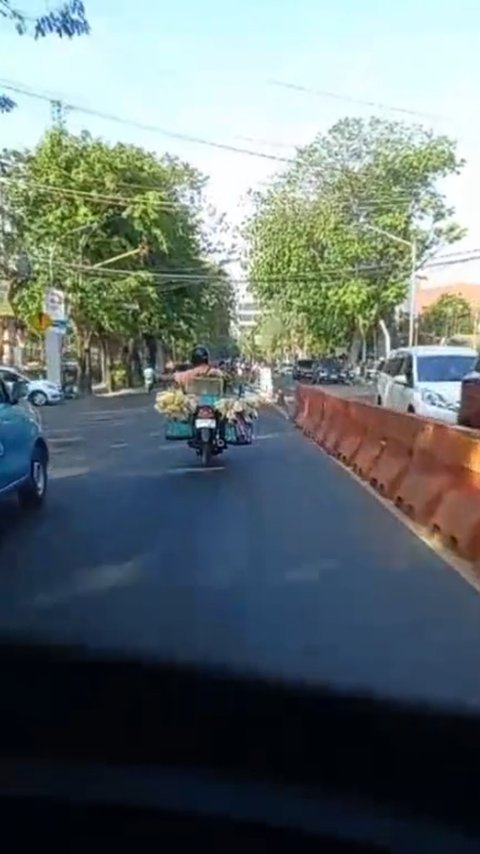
x=412, y=295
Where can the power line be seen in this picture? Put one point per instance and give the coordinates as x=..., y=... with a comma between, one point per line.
x=383, y=203
x=28, y=92
x=186, y=279
x=323, y=93
x=198, y=140
x=452, y=262
x=110, y=199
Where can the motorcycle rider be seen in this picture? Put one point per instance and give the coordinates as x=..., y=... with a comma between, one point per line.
x=200, y=361
x=148, y=378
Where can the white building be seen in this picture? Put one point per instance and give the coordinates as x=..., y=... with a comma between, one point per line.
x=247, y=314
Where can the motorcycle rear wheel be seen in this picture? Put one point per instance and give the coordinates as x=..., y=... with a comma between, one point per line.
x=206, y=454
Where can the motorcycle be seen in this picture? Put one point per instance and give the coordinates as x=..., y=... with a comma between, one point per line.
x=207, y=434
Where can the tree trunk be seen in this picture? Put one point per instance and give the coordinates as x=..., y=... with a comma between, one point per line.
x=106, y=362
x=85, y=362
x=151, y=345
x=133, y=365
x=356, y=347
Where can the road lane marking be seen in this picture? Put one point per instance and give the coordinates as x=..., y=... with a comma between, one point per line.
x=116, y=445
x=64, y=472
x=195, y=469
x=278, y=435
x=64, y=440
x=311, y=572
x=93, y=581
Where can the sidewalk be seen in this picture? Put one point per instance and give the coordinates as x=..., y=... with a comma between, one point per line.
x=101, y=391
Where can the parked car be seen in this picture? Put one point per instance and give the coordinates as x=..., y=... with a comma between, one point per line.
x=331, y=371
x=39, y=391
x=23, y=449
x=425, y=380
x=469, y=412
x=285, y=369
x=304, y=370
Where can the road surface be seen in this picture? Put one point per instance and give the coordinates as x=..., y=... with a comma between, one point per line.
x=274, y=561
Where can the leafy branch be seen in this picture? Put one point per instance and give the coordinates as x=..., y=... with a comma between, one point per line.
x=66, y=21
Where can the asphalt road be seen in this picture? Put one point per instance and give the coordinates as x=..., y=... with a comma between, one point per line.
x=273, y=561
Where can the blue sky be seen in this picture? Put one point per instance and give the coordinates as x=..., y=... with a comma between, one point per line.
x=203, y=67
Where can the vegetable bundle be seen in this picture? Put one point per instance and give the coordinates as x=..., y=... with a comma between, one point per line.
x=176, y=404
x=232, y=408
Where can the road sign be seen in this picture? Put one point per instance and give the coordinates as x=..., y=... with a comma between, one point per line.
x=42, y=322
x=54, y=304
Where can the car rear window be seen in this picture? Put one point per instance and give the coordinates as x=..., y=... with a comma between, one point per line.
x=305, y=363
x=444, y=368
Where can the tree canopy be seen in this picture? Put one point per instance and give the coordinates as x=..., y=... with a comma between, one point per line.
x=66, y=20
x=314, y=245
x=120, y=231
x=449, y=315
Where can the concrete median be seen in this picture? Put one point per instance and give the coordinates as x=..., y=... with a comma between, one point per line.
x=429, y=470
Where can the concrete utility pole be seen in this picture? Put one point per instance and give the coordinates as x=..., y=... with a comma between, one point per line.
x=7, y=324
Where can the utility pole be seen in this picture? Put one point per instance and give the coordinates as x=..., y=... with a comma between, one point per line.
x=412, y=301
x=412, y=294
x=7, y=330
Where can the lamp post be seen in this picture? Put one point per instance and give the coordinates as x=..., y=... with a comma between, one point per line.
x=412, y=293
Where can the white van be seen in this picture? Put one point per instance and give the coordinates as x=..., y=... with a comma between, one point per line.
x=425, y=380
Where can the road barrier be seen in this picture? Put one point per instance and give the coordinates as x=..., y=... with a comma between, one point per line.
x=430, y=470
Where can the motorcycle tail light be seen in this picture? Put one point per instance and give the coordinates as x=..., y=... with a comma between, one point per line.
x=206, y=412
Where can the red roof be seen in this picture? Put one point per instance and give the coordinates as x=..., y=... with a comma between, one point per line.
x=427, y=296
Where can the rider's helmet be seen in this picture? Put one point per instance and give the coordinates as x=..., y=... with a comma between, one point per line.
x=200, y=356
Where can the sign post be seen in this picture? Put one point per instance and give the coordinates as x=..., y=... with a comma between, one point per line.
x=55, y=317
x=5, y=307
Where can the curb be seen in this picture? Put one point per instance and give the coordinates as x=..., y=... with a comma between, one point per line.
x=124, y=392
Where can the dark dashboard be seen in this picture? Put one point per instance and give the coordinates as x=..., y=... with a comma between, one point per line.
x=109, y=752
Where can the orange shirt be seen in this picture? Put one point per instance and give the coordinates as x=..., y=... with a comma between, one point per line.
x=184, y=377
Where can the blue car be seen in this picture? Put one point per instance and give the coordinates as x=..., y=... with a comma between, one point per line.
x=23, y=450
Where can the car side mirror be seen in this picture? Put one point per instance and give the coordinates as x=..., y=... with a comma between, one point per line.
x=18, y=391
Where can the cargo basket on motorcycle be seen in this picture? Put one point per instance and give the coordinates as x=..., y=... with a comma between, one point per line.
x=207, y=389
x=181, y=430
x=238, y=433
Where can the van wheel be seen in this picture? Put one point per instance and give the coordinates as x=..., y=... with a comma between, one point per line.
x=379, y=401
x=411, y=410
x=33, y=492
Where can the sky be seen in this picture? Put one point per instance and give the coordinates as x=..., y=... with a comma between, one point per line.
x=205, y=68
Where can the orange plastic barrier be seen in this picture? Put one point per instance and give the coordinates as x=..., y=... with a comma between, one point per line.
x=428, y=469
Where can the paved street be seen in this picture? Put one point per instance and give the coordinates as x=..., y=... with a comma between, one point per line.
x=274, y=560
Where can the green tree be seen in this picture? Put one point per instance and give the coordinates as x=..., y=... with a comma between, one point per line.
x=79, y=203
x=67, y=20
x=449, y=315
x=310, y=246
